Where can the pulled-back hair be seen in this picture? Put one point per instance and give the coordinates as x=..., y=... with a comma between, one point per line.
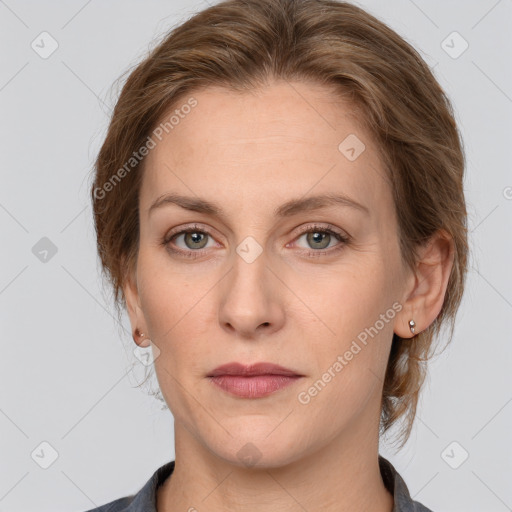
x=241, y=45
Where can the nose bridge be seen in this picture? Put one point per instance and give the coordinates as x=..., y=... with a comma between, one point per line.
x=250, y=296
x=250, y=273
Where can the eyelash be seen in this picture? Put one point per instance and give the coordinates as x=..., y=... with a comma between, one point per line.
x=329, y=229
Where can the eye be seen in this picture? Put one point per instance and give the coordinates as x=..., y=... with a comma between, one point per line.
x=320, y=238
x=194, y=238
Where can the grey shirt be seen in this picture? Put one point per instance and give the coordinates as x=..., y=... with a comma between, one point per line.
x=145, y=499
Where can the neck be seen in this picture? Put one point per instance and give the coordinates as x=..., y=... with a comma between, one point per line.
x=342, y=476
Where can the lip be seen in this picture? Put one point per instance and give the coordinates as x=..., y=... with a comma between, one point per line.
x=252, y=370
x=253, y=381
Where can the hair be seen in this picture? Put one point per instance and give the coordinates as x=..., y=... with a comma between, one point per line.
x=241, y=45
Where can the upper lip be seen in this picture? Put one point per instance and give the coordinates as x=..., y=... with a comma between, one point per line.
x=253, y=369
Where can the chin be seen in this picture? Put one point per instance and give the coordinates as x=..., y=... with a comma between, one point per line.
x=258, y=450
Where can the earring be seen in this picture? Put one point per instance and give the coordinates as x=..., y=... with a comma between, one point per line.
x=138, y=334
x=411, y=325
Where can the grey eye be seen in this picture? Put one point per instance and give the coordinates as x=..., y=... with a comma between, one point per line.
x=318, y=239
x=194, y=239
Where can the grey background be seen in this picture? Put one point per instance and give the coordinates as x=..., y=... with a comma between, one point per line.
x=68, y=373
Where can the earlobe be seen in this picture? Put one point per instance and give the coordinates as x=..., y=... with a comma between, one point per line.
x=425, y=297
x=406, y=325
x=135, y=313
x=140, y=338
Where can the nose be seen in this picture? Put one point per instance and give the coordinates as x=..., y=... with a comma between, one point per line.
x=251, y=302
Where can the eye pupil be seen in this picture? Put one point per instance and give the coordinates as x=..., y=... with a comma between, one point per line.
x=196, y=238
x=316, y=237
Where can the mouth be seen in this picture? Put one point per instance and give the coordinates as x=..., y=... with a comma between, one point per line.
x=252, y=381
x=253, y=370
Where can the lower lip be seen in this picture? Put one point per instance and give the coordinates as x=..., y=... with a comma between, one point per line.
x=253, y=387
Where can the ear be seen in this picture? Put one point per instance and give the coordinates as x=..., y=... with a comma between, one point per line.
x=427, y=285
x=133, y=305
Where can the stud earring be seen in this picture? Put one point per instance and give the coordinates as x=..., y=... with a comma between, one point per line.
x=412, y=325
x=138, y=334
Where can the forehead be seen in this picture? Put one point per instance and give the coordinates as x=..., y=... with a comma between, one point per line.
x=283, y=140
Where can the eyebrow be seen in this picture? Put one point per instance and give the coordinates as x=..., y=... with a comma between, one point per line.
x=288, y=209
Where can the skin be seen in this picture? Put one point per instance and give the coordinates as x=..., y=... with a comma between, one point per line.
x=250, y=153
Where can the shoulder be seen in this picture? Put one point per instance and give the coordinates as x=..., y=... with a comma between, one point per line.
x=119, y=505
x=398, y=488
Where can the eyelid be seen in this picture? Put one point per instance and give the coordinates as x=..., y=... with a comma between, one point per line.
x=188, y=227
x=322, y=227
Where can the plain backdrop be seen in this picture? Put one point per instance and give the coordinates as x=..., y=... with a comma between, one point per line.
x=68, y=376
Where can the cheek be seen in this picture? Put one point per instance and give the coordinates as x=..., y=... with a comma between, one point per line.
x=350, y=366
x=177, y=313
x=166, y=295
x=348, y=300
x=358, y=316
x=177, y=319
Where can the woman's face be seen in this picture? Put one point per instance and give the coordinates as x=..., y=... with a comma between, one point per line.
x=247, y=284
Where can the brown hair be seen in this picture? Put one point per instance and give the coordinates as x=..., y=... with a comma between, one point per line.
x=240, y=44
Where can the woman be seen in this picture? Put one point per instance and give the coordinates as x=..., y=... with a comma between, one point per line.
x=279, y=207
